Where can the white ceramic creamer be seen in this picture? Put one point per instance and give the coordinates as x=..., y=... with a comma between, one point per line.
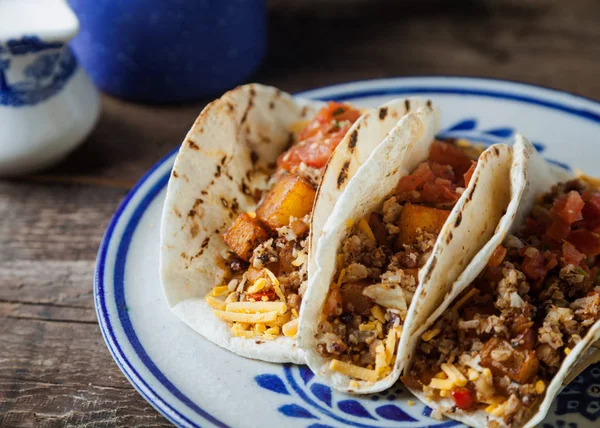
x=47, y=103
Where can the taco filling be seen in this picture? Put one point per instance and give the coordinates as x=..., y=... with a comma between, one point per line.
x=379, y=260
x=261, y=288
x=502, y=340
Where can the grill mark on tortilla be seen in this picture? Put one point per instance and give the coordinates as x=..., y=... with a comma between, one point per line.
x=472, y=191
x=383, y=112
x=449, y=237
x=244, y=188
x=431, y=267
x=497, y=151
x=428, y=103
x=203, y=192
x=277, y=93
x=271, y=105
x=407, y=105
x=177, y=212
x=223, y=159
x=253, y=157
x=304, y=111
x=194, y=230
x=217, y=231
x=458, y=220
x=224, y=202
x=231, y=107
x=271, y=165
x=197, y=203
x=205, y=242
x=235, y=205
x=248, y=108
x=353, y=140
x=191, y=213
x=218, y=172
x=193, y=145
x=175, y=174
x=252, y=92
x=343, y=175
x=228, y=175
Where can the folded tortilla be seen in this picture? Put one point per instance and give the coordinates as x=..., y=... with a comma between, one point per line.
x=540, y=177
x=469, y=225
x=228, y=154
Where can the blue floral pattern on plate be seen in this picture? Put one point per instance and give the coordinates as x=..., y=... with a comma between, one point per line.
x=44, y=76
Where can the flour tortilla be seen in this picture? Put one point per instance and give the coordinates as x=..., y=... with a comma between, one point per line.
x=227, y=154
x=470, y=224
x=539, y=178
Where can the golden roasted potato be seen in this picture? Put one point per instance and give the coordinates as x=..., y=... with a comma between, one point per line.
x=244, y=235
x=520, y=364
x=416, y=217
x=291, y=196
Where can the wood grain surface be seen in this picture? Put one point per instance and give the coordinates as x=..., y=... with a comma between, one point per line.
x=55, y=370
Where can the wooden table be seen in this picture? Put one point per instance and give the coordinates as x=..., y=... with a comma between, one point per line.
x=54, y=367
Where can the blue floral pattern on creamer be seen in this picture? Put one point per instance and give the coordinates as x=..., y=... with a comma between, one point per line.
x=322, y=407
x=44, y=75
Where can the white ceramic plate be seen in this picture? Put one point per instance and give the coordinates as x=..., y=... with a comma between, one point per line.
x=195, y=383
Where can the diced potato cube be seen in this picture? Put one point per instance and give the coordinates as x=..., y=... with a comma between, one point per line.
x=502, y=359
x=416, y=217
x=292, y=196
x=244, y=235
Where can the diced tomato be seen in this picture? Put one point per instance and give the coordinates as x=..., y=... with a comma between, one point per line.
x=449, y=154
x=497, y=256
x=551, y=259
x=439, y=191
x=534, y=265
x=442, y=171
x=463, y=397
x=333, y=305
x=258, y=297
x=469, y=174
x=591, y=210
x=320, y=137
x=585, y=241
x=558, y=230
x=567, y=207
x=416, y=180
x=570, y=254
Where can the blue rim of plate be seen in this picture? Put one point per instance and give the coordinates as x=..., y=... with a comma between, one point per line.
x=394, y=87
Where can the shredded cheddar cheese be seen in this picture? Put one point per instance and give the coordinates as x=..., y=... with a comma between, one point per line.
x=266, y=317
x=251, y=214
x=273, y=331
x=465, y=298
x=290, y=328
x=258, y=285
x=367, y=326
x=378, y=313
x=540, y=387
x=215, y=303
x=444, y=384
x=295, y=312
x=593, y=181
x=430, y=334
x=254, y=307
x=390, y=345
x=454, y=375
x=272, y=276
x=220, y=291
x=341, y=277
x=567, y=351
x=354, y=371
x=363, y=225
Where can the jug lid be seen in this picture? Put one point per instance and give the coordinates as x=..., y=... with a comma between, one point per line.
x=49, y=20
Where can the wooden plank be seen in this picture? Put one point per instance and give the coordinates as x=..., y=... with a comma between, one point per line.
x=35, y=404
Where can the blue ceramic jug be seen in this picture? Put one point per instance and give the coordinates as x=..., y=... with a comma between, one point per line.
x=169, y=50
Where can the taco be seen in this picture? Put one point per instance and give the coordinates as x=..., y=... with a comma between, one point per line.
x=523, y=315
x=413, y=216
x=236, y=221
